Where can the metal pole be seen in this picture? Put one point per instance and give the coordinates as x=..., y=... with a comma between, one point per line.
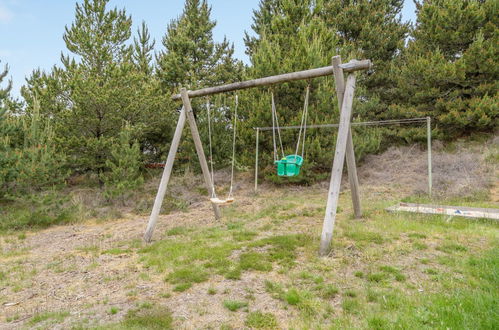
x=256, y=160
x=428, y=136
x=363, y=123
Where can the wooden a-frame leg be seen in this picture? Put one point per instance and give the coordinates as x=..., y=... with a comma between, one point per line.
x=199, y=148
x=166, y=177
x=336, y=172
x=350, y=154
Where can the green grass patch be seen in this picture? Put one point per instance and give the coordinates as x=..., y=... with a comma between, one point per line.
x=187, y=275
x=452, y=247
x=365, y=236
x=38, y=211
x=254, y=261
x=377, y=277
x=234, y=305
x=239, y=225
x=243, y=235
x=54, y=317
x=149, y=318
x=182, y=287
x=116, y=251
x=292, y=297
x=260, y=320
x=419, y=246
x=175, y=231
x=233, y=274
x=283, y=248
x=359, y=274
x=351, y=306
x=327, y=291
x=114, y=310
x=416, y=235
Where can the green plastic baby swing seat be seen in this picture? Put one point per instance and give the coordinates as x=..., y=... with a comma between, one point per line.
x=289, y=165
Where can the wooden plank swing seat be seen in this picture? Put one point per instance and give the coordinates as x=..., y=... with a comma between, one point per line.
x=344, y=145
x=218, y=201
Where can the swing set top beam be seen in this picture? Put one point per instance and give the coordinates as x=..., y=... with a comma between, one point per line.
x=351, y=66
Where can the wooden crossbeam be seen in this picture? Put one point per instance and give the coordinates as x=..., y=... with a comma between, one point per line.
x=351, y=66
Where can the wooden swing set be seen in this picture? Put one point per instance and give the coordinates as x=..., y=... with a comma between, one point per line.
x=344, y=144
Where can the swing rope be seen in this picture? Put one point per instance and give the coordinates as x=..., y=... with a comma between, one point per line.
x=303, y=125
x=208, y=108
x=233, y=148
x=213, y=192
x=275, y=124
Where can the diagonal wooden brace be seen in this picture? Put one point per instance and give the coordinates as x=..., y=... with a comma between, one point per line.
x=199, y=148
x=350, y=153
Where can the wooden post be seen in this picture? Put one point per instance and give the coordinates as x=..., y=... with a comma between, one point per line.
x=166, y=177
x=428, y=136
x=199, y=148
x=256, y=160
x=350, y=154
x=339, y=160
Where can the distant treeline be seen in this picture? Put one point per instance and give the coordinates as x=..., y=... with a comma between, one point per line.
x=106, y=108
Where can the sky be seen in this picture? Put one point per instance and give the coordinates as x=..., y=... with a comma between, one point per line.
x=31, y=30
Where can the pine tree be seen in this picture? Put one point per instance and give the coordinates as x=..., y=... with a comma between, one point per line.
x=294, y=35
x=449, y=70
x=370, y=30
x=7, y=157
x=4, y=91
x=279, y=19
x=142, y=50
x=28, y=154
x=98, y=35
x=92, y=94
x=191, y=58
x=291, y=36
x=124, y=165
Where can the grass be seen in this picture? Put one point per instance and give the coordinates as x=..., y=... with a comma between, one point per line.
x=38, y=211
x=260, y=320
x=382, y=294
x=255, y=261
x=114, y=310
x=292, y=297
x=386, y=271
x=234, y=305
x=177, y=231
x=155, y=318
x=452, y=247
x=50, y=317
x=328, y=291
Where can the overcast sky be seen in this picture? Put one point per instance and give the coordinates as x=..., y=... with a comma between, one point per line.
x=31, y=30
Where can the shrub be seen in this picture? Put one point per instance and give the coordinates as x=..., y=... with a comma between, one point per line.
x=29, y=161
x=124, y=165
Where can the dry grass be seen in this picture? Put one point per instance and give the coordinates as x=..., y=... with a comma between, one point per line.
x=384, y=268
x=459, y=170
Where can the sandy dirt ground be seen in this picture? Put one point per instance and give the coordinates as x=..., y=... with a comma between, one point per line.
x=64, y=268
